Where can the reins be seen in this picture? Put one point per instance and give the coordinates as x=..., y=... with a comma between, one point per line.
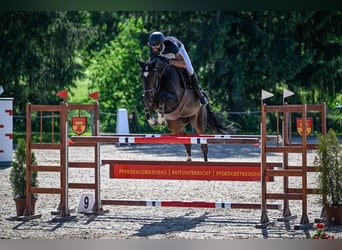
x=157, y=76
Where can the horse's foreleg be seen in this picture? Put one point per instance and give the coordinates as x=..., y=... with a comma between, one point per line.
x=151, y=121
x=204, y=148
x=188, y=151
x=161, y=117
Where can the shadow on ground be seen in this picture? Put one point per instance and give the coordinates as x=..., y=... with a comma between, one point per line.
x=170, y=225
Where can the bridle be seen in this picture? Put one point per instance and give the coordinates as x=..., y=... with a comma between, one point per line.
x=157, y=74
x=156, y=80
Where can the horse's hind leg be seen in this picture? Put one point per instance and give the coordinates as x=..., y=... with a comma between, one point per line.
x=204, y=148
x=188, y=151
x=177, y=128
x=200, y=123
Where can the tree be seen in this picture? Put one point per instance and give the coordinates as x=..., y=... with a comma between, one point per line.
x=115, y=72
x=38, y=51
x=235, y=54
x=245, y=52
x=249, y=51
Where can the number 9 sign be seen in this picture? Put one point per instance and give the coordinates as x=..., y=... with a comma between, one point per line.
x=86, y=204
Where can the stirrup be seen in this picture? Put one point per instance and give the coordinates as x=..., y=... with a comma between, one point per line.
x=203, y=100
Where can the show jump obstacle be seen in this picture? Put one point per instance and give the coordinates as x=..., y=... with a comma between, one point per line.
x=58, y=140
x=263, y=171
x=287, y=149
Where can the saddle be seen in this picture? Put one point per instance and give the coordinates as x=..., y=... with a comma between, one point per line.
x=183, y=73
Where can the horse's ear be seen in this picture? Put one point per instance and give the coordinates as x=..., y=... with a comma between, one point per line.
x=141, y=63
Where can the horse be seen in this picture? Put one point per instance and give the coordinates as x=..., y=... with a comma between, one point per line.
x=167, y=91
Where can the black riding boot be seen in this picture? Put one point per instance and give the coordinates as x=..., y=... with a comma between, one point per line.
x=194, y=82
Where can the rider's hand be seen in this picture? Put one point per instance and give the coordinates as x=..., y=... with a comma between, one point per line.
x=165, y=60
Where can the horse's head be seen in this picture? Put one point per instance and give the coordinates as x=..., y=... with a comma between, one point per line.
x=151, y=72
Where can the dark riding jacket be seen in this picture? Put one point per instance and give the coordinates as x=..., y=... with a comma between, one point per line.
x=169, y=48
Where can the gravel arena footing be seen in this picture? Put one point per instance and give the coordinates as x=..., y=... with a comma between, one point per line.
x=126, y=222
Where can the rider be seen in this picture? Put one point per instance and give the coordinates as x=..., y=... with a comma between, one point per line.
x=173, y=49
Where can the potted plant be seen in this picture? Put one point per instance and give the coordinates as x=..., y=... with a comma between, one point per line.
x=329, y=164
x=18, y=178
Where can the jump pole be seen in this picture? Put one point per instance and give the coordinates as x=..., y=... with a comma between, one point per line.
x=161, y=140
x=269, y=137
x=189, y=204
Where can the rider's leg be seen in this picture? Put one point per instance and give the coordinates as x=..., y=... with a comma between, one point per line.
x=193, y=76
x=194, y=82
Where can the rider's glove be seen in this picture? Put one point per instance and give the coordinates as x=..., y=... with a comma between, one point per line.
x=165, y=60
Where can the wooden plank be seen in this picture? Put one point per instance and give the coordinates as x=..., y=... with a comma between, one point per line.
x=82, y=164
x=300, y=190
x=46, y=108
x=89, y=107
x=41, y=168
x=308, y=168
x=286, y=196
x=286, y=172
x=82, y=185
x=56, y=146
x=283, y=149
x=42, y=190
x=284, y=108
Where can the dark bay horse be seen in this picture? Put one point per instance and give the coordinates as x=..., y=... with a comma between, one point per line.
x=168, y=92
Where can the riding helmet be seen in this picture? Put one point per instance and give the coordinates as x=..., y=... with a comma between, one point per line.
x=156, y=38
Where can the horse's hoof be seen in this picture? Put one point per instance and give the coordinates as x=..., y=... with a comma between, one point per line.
x=162, y=122
x=152, y=123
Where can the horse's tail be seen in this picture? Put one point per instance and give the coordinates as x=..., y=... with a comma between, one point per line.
x=216, y=125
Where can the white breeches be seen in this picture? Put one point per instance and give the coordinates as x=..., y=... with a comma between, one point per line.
x=188, y=64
